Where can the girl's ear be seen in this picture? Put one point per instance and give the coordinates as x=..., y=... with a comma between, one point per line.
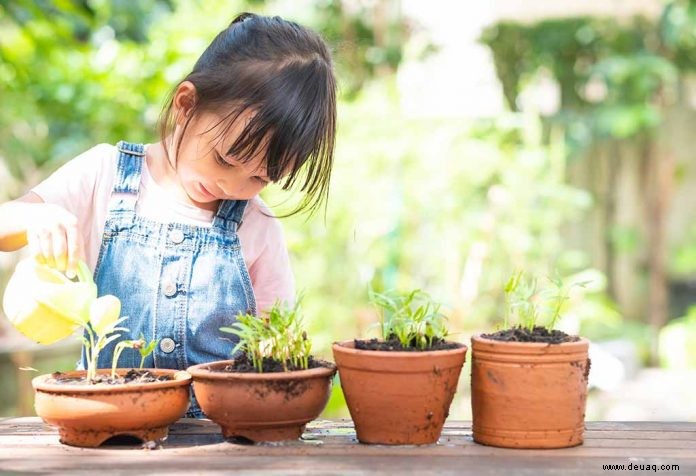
x=184, y=100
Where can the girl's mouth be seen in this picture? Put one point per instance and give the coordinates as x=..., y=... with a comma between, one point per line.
x=206, y=193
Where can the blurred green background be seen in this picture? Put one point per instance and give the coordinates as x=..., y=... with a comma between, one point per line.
x=473, y=140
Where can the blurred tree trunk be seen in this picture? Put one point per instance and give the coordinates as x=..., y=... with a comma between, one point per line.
x=659, y=167
x=612, y=156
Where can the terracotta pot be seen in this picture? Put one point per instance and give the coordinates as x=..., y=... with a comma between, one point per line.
x=88, y=415
x=261, y=407
x=528, y=395
x=398, y=398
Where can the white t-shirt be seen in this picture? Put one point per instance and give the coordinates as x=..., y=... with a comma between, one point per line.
x=83, y=186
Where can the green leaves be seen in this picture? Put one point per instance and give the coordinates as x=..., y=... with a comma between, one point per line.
x=528, y=305
x=140, y=345
x=411, y=317
x=277, y=335
x=145, y=350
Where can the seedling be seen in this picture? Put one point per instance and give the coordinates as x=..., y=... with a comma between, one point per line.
x=99, y=331
x=413, y=318
x=277, y=335
x=140, y=345
x=528, y=304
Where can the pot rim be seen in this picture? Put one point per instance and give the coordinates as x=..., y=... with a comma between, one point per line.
x=478, y=337
x=348, y=347
x=181, y=378
x=203, y=371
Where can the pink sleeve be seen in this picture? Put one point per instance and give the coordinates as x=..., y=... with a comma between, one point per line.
x=72, y=185
x=263, y=244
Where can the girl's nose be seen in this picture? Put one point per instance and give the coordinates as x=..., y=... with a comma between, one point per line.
x=223, y=187
x=230, y=188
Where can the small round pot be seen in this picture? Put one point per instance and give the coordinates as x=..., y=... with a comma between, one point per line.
x=528, y=395
x=88, y=415
x=398, y=398
x=261, y=406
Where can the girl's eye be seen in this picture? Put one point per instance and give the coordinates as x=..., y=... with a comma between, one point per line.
x=221, y=161
x=224, y=163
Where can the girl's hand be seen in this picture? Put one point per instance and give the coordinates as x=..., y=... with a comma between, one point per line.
x=54, y=239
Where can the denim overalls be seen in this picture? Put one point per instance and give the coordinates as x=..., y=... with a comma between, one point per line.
x=177, y=283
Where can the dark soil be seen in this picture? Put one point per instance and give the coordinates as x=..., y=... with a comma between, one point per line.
x=133, y=376
x=393, y=344
x=243, y=364
x=539, y=334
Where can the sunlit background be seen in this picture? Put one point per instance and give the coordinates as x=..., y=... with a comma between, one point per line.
x=475, y=139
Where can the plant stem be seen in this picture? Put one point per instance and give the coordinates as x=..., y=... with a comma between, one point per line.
x=91, y=371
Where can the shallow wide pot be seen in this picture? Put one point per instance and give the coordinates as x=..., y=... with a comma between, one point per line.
x=398, y=398
x=88, y=415
x=261, y=406
x=528, y=395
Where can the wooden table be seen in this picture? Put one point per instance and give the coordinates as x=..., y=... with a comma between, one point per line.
x=330, y=447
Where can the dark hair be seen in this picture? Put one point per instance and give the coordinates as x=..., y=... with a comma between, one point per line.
x=282, y=72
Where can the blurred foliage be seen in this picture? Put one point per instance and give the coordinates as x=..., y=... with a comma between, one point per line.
x=78, y=75
x=367, y=38
x=683, y=260
x=617, y=79
x=613, y=75
x=678, y=342
x=678, y=33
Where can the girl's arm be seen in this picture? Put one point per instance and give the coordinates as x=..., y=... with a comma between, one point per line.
x=50, y=231
x=263, y=243
x=14, y=220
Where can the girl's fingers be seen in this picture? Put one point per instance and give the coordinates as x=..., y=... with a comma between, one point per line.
x=55, y=241
x=60, y=248
x=46, y=247
x=35, y=247
x=74, y=250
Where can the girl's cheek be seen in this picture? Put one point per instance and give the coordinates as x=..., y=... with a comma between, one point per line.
x=251, y=192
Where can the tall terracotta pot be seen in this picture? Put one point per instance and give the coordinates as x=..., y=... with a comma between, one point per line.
x=528, y=395
x=88, y=415
x=261, y=406
x=398, y=398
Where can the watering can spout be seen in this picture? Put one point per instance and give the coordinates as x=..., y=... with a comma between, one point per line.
x=46, y=306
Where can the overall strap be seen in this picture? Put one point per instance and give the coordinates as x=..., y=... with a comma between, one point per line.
x=229, y=215
x=130, y=165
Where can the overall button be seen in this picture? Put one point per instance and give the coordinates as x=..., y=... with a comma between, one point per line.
x=169, y=289
x=177, y=236
x=167, y=345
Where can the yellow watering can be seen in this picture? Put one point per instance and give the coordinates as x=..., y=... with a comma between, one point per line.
x=46, y=306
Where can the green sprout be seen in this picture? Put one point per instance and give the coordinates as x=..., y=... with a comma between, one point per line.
x=277, y=335
x=141, y=345
x=413, y=318
x=528, y=304
x=100, y=330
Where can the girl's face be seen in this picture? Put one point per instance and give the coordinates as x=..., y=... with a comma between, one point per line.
x=204, y=170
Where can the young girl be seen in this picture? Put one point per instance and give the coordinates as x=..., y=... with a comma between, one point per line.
x=176, y=229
